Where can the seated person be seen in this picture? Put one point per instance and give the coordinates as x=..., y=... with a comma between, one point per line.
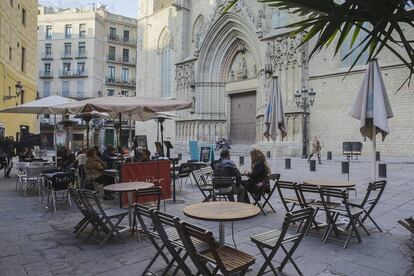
x=260, y=171
x=107, y=156
x=226, y=167
x=95, y=166
x=68, y=159
x=80, y=162
x=26, y=154
x=98, y=152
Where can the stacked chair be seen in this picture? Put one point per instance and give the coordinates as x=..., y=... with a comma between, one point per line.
x=104, y=222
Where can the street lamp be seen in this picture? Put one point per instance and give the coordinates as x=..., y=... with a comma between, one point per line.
x=19, y=91
x=304, y=100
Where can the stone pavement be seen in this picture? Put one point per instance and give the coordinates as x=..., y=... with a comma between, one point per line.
x=36, y=241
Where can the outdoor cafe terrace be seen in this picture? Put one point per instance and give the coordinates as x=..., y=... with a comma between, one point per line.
x=36, y=240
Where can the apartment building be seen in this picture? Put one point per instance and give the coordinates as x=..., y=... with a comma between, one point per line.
x=18, y=23
x=85, y=53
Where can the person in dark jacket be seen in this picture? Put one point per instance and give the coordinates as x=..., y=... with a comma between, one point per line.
x=107, y=155
x=226, y=167
x=9, y=147
x=260, y=171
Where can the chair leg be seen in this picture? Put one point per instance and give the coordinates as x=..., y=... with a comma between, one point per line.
x=289, y=258
x=267, y=262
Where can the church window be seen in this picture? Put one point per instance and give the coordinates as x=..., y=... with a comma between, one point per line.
x=165, y=52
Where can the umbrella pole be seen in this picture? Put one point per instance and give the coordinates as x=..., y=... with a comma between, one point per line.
x=120, y=135
x=87, y=134
x=130, y=134
x=54, y=141
x=374, y=151
x=274, y=157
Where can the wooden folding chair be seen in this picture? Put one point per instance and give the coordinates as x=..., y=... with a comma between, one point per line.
x=289, y=194
x=270, y=242
x=334, y=211
x=164, y=225
x=225, y=259
x=206, y=190
x=224, y=187
x=370, y=201
x=142, y=215
x=84, y=222
x=154, y=193
x=107, y=223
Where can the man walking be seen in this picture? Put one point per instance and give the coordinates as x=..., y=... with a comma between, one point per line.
x=316, y=149
x=9, y=150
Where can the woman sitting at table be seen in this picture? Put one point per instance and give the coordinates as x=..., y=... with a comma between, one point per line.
x=95, y=166
x=260, y=171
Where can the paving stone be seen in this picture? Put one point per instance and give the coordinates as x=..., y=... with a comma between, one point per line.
x=36, y=241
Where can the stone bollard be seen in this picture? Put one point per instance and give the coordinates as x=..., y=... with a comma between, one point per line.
x=241, y=160
x=329, y=155
x=268, y=154
x=345, y=167
x=287, y=164
x=378, y=156
x=312, y=165
x=180, y=156
x=382, y=170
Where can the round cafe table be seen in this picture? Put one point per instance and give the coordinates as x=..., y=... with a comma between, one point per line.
x=329, y=183
x=221, y=211
x=128, y=187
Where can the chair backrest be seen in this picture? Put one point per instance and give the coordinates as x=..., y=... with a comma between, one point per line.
x=33, y=172
x=143, y=214
x=303, y=216
x=190, y=233
x=21, y=166
x=154, y=193
x=161, y=222
x=207, y=170
x=222, y=182
x=304, y=190
x=285, y=189
x=374, y=192
x=75, y=195
x=198, y=177
x=61, y=181
x=47, y=168
x=274, y=177
x=185, y=170
x=336, y=196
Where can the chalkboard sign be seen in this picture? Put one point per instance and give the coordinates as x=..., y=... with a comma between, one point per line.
x=205, y=153
x=141, y=141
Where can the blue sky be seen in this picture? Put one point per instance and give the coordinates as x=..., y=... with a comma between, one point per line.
x=123, y=7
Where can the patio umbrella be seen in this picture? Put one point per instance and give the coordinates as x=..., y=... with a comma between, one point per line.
x=87, y=117
x=136, y=108
x=372, y=108
x=40, y=106
x=274, y=121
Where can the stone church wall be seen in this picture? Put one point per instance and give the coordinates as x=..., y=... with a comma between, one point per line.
x=206, y=50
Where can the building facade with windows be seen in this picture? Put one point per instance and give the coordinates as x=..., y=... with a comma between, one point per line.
x=224, y=63
x=85, y=53
x=18, y=23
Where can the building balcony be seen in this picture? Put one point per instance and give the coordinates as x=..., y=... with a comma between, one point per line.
x=119, y=82
x=46, y=56
x=73, y=74
x=66, y=55
x=122, y=40
x=45, y=74
x=81, y=55
x=122, y=60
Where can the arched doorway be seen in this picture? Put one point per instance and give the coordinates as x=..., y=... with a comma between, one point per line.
x=228, y=76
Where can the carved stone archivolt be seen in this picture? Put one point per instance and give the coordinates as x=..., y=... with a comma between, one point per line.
x=240, y=8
